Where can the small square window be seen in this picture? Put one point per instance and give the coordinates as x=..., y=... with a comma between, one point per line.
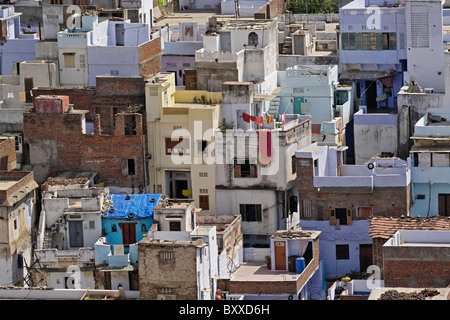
x=342, y=252
x=420, y=197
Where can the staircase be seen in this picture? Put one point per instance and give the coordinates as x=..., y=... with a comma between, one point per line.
x=287, y=46
x=47, y=244
x=273, y=107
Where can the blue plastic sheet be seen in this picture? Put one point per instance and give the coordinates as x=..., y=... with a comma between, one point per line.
x=131, y=206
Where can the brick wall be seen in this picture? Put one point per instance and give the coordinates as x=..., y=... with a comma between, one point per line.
x=81, y=98
x=377, y=253
x=150, y=57
x=57, y=144
x=272, y=8
x=8, y=154
x=385, y=201
x=417, y=266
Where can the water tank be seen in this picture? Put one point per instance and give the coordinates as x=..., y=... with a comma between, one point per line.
x=299, y=265
x=292, y=263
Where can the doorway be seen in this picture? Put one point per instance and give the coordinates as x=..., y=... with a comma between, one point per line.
x=341, y=215
x=76, y=233
x=365, y=256
x=120, y=35
x=28, y=82
x=128, y=233
x=180, y=185
x=280, y=255
x=371, y=94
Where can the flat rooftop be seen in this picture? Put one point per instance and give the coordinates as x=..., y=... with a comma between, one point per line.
x=258, y=271
x=202, y=18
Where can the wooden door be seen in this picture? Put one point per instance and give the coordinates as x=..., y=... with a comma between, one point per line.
x=280, y=255
x=365, y=256
x=128, y=233
x=28, y=88
x=204, y=202
x=4, y=163
x=444, y=204
x=76, y=233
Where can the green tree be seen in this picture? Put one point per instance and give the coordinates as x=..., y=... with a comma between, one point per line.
x=313, y=6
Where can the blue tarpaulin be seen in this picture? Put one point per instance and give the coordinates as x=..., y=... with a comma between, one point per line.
x=131, y=206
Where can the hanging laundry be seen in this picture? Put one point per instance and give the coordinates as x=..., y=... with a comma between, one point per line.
x=246, y=117
x=265, y=147
x=259, y=120
x=284, y=117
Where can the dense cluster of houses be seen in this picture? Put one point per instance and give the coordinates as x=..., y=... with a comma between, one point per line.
x=206, y=149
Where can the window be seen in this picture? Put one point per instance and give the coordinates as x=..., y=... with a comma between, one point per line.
x=203, y=174
x=201, y=145
x=175, y=226
x=82, y=61
x=252, y=39
x=19, y=261
x=294, y=164
x=69, y=59
x=369, y=41
x=292, y=204
x=166, y=256
x=342, y=252
x=341, y=215
x=131, y=167
x=365, y=212
x=91, y=225
x=15, y=224
x=204, y=202
x=244, y=169
x=305, y=208
x=420, y=197
x=250, y=212
x=177, y=147
x=444, y=204
x=113, y=228
x=130, y=125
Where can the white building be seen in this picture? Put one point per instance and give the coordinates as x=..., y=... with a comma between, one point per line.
x=254, y=173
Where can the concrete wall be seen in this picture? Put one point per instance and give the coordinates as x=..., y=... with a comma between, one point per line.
x=416, y=266
x=353, y=236
x=374, y=134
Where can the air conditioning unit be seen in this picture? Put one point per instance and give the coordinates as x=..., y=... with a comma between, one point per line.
x=428, y=90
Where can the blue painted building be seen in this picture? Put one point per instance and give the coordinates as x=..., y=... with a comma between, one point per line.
x=373, y=51
x=15, y=46
x=430, y=164
x=128, y=218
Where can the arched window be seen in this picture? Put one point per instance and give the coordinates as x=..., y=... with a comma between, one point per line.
x=252, y=39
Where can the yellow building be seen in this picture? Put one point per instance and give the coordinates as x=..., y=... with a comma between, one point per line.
x=181, y=167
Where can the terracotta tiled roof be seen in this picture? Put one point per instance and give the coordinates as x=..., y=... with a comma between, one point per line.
x=385, y=227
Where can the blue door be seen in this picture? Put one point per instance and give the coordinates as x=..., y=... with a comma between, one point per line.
x=298, y=104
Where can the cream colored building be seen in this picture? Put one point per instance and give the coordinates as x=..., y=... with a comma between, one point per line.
x=183, y=168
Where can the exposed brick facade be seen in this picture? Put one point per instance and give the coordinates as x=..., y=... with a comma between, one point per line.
x=271, y=10
x=58, y=144
x=7, y=154
x=150, y=57
x=384, y=201
x=417, y=266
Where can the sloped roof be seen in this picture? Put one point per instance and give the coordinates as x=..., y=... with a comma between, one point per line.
x=130, y=206
x=385, y=227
